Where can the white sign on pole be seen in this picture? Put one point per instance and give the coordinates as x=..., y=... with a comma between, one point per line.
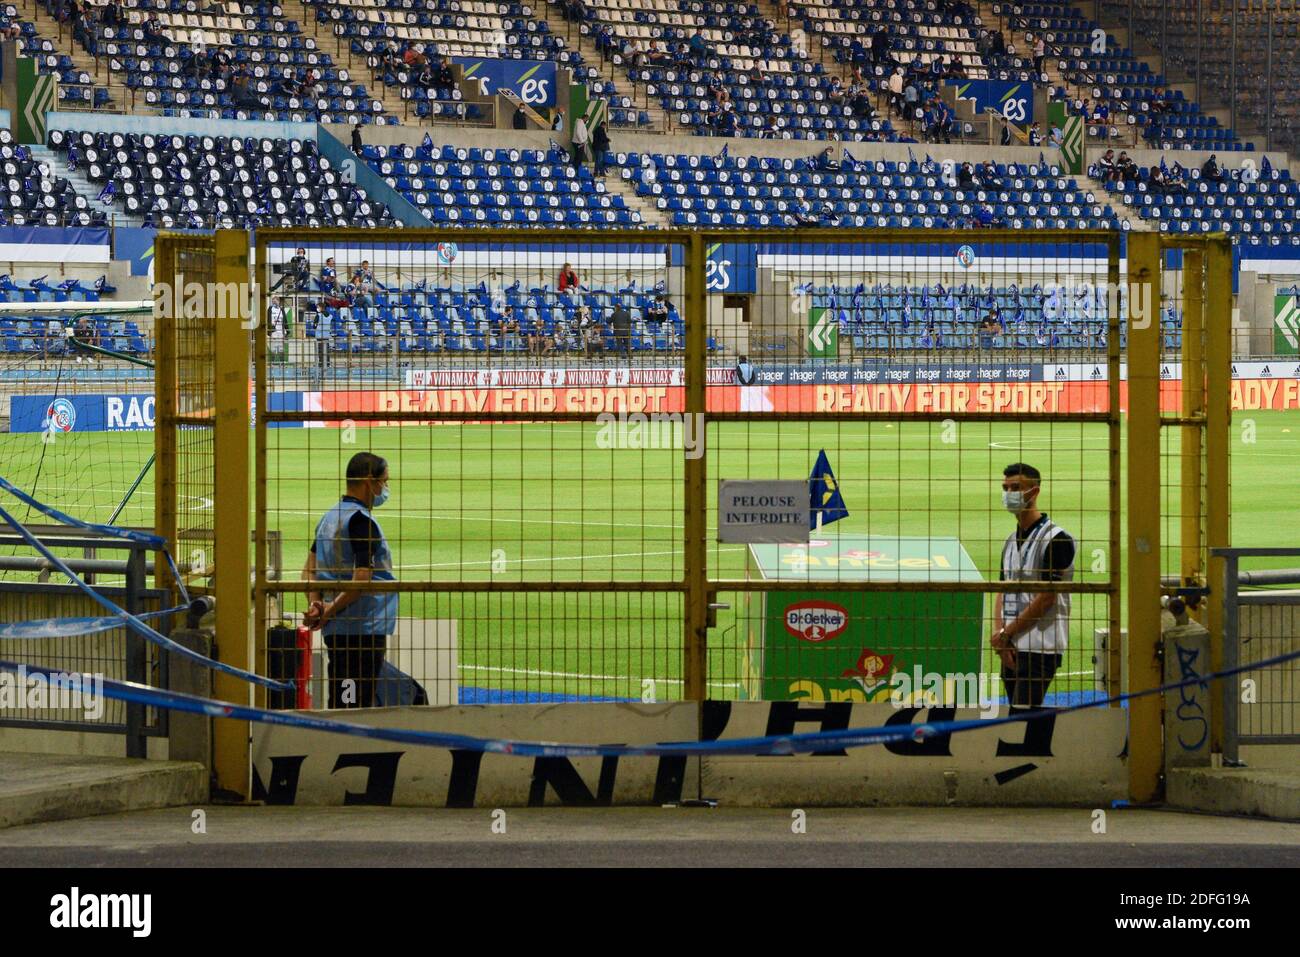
x=763, y=511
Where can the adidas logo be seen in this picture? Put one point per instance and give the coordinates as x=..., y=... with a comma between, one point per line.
x=1265, y=373
x=1096, y=373
x=1234, y=371
x=1165, y=373
x=1060, y=372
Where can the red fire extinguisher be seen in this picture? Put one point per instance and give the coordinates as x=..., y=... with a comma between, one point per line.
x=302, y=674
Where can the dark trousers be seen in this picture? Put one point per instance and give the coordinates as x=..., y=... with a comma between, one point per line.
x=1027, y=683
x=355, y=658
x=323, y=354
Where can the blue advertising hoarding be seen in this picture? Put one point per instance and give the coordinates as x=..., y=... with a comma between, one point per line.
x=533, y=81
x=1015, y=101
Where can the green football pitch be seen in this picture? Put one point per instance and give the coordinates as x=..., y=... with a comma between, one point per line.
x=542, y=503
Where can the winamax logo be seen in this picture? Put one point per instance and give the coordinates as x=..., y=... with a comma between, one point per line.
x=816, y=620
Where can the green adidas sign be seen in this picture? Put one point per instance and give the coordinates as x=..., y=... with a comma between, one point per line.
x=1286, y=325
x=823, y=334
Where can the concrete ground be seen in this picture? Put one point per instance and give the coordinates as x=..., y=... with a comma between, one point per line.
x=683, y=837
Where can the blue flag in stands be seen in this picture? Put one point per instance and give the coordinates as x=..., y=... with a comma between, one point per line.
x=725, y=151
x=1265, y=166
x=826, y=504
x=427, y=142
x=911, y=157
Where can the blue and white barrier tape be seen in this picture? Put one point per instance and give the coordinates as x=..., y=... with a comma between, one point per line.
x=70, y=627
x=133, y=622
x=127, y=534
x=784, y=744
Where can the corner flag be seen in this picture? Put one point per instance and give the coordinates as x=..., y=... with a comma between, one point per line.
x=826, y=504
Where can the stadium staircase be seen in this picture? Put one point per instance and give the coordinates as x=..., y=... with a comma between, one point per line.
x=575, y=39
x=49, y=28
x=84, y=187
x=651, y=215
x=391, y=97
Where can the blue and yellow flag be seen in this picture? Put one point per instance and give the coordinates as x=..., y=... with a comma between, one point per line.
x=826, y=504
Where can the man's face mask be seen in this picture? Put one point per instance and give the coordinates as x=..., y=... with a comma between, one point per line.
x=1016, y=501
x=380, y=498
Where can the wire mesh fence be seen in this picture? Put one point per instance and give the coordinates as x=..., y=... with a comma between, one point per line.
x=552, y=419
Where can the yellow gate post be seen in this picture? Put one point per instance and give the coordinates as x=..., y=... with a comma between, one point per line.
x=696, y=598
x=1144, y=671
x=1218, y=422
x=232, y=760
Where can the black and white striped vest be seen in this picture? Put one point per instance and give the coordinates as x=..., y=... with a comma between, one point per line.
x=1026, y=561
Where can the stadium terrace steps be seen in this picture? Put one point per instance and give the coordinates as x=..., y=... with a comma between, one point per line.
x=651, y=215
x=553, y=14
x=49, y=29
x=57, y=787
x=343, y=57
x=1115, y=201
x=84, y=187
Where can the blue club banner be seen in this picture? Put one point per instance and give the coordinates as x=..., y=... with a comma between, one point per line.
x=1015, y=101
x=732, y=267
x=533, y=81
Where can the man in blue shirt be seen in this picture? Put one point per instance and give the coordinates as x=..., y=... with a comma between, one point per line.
x=349, y=545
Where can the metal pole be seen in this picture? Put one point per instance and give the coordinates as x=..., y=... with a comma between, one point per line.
x=1164, y=37
x=1232, y=73
x=1229, y=688
x=1200, y=51
x=136, y=745
x=697, y=599
x=1268, y=72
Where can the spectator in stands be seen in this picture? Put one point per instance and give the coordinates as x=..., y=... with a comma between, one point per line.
x=1005, y=138
x=983, y=44
x=802, y=215
x=965, y=176
x=592, y=339
x=699, y=47
x=825, y=162
x=985, y=218
x=599, y=147
x=989, y=177
x=621, y=321
x=727, y=122
x=1106, y=166
x=656, y=313
x=911, y=97
x=413, y=55
x=153, y=29
x=363, y=285
x=835, y=92
x=581, y=141
x=83, y=28
x=1174, y=178
x=771, y=129
x=1057, y=137
x=989, y=329
x=1157, y=182
x=242, y=91
x=1040, y=52
x=1210, y=172
x=112, y=15
x=539, y=344
x=85, y=332
x=520, y=119
x=567, y=281
x=329, y=278
x=861, y=103
x=198, y=53
x=999, y=44
x=1035, y=135
x=895, y=84
x=879, y=44
x=1125, y=168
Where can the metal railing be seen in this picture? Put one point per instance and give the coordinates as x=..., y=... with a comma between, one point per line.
x=1260, y=620
x=119, y=654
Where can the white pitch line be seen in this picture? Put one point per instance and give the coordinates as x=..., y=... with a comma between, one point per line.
x=397, y=513
x=559, y=558
x=573, y=674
